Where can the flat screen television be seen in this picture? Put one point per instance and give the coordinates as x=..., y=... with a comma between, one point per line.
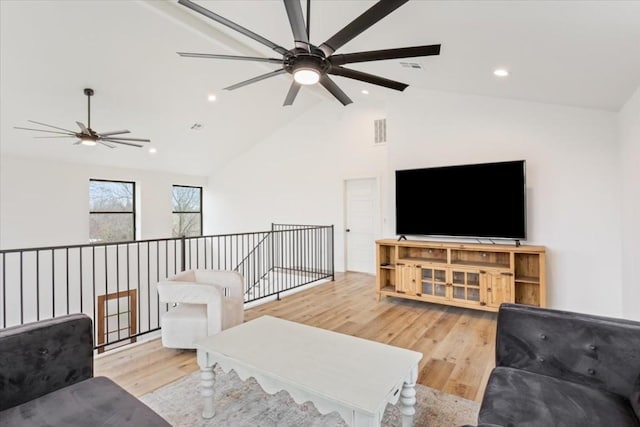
x=480, y=200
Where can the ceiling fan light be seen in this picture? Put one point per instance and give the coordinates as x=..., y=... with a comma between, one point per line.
x=306, y=76
x=88, y=142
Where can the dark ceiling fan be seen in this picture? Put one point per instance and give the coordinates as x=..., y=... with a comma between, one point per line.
x=88, y=136
x=310, y=64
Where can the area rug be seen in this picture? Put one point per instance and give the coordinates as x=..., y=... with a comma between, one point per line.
x=245, y=404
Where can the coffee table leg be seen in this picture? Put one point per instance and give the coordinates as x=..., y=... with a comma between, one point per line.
x=408, y=398
x=207, y=379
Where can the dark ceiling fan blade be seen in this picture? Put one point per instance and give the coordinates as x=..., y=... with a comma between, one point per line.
x=46, y=137
x=374, y=14
x=115, y=141
x=51, y=126
x=241, y=58
x=117, y=138
x=369, y=78
x=224, y=21
x=83, y=128
x=296, y=19
x=256, y=79
x=293, y=92
x=335, y=90
x=378, y=55
x=106, y=144
x=114, y=132
x=44, y=130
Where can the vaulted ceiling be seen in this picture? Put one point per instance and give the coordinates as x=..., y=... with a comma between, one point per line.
x=582, y=54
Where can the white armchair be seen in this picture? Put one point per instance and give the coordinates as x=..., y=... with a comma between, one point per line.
x=208, y=301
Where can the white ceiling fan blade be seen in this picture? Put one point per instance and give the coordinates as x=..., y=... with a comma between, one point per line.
x=115, y=132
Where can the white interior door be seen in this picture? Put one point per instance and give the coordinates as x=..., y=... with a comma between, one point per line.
x=361, y=224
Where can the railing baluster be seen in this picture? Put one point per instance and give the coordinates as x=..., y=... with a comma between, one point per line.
x=93, y=267
x=53, y=283
x=80, y=280
x=37, y=284
x=138, y=287
x=66, y=271
x=149, y=283
x=21, y=291
x=4, y=291
x=106, y=292
x=118, y=289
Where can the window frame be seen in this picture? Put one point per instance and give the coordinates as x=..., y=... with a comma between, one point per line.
x=133, y=205
x=188, y=212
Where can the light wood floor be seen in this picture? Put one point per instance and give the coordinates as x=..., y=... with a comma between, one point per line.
x=458, y=344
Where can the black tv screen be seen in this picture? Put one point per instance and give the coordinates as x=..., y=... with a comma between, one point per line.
x=480, y=200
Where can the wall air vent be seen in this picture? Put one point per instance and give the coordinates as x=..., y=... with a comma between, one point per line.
x=380, y=131
x=196, y=126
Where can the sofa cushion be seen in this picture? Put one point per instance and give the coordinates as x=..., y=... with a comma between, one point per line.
x=517, y=397
x=635, y=398
x=96, y=402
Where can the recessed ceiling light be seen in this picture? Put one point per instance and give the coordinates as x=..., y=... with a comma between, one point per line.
x=500, y=72
x=365, y=92
x=211, y=97
x=153, y=150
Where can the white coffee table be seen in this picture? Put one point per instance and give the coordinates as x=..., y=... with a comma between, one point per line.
x=337, y=372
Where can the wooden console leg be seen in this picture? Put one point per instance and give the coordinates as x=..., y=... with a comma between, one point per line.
x=408, y=398
x=207, y=379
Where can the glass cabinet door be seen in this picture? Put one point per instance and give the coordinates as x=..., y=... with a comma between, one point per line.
x=434, y=282
x=466, y=286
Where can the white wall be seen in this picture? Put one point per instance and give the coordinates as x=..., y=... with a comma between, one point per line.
x=573, y=176
x=297, y=174
x=630, y=157
x=45, y=202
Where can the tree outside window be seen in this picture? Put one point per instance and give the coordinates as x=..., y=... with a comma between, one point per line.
x=111, y=211
x=187, y=211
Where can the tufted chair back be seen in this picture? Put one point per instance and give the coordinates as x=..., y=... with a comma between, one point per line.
x=590, y=350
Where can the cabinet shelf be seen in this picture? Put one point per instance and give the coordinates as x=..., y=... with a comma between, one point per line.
x=476, y=276
x=423, y=260
x=388, y=289
x=528, y=279
x=486, y=264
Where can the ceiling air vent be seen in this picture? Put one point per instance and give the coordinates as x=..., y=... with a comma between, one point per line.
x=414, y=65
x=380, y=131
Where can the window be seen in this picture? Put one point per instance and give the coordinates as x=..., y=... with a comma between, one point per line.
x=112, y=214
x=187, y=211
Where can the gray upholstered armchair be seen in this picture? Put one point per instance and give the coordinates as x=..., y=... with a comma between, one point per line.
x=557, y=368
x=46, y=379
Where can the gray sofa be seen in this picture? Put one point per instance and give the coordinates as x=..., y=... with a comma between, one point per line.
x=556, y=368
x=46, y=379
